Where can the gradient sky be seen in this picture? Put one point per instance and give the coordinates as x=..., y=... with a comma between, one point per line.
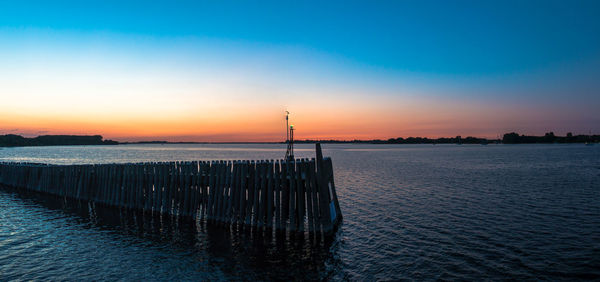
x=195, y=71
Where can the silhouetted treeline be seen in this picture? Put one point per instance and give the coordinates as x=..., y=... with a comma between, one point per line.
x=412, y=140
x=12, y=140
x=509, y=138
x=514, y=138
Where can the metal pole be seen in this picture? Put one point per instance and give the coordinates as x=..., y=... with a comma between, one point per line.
x=289, y=154
x=287, y=133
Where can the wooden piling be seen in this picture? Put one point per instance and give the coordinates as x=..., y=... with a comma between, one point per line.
x=292, y=180
x=277, y=191
x=293, y=195
x=270, y=185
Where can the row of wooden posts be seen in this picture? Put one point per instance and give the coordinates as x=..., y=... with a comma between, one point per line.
x=295, y=195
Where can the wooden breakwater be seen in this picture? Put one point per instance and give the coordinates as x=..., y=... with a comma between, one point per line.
x=294, y=195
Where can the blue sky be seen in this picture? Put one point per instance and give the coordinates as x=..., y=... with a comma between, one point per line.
x=462, y=37
x=536, y=56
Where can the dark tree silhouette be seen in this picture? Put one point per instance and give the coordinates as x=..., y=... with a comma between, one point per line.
x=12, y=140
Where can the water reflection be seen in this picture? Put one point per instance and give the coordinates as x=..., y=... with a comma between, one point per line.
x=237, y=252
x=420, y=212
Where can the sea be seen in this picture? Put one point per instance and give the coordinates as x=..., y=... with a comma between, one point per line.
x=415, y=212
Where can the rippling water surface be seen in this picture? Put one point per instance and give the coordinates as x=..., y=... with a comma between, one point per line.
x=410, y=211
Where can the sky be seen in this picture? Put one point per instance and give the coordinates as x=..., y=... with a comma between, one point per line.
x=228, y=71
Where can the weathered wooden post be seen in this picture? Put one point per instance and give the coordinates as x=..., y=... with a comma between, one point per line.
x=331, y=215
x=285, y=194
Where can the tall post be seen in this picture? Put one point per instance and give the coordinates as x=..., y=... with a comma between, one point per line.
x=323, y=190
x=291, y=142
x=287, y=135
x=289, y=154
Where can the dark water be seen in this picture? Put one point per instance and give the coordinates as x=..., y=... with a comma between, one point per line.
x=410, y=211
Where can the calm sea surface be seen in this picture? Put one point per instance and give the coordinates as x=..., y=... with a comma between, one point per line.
x=410, y=211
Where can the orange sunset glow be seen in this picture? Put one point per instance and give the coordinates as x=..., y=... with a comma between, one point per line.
x=179, y=84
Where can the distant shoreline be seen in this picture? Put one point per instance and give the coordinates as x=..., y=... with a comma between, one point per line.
x=12, y=140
